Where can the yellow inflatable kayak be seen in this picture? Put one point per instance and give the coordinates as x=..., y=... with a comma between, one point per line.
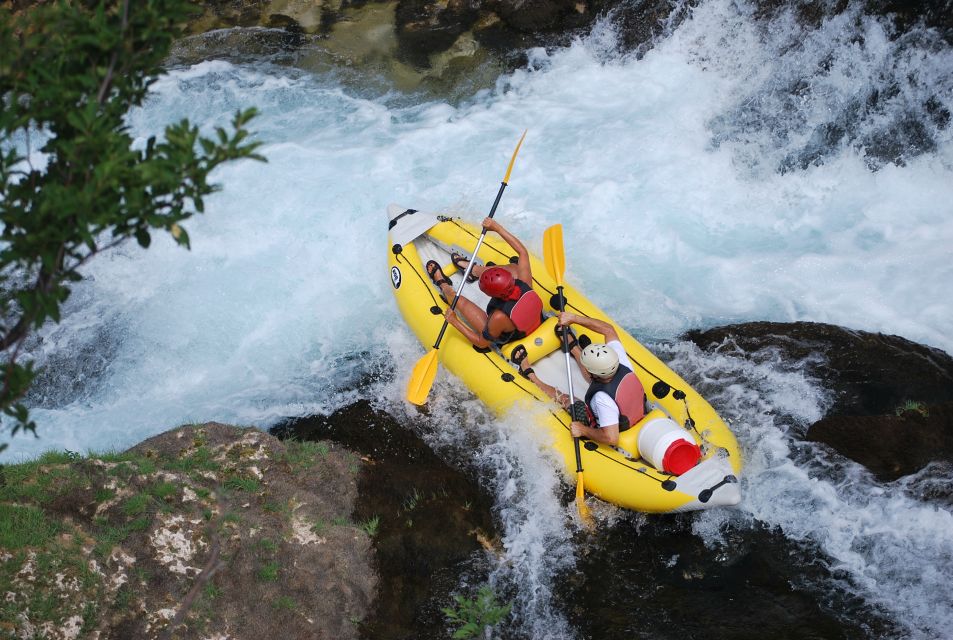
x=627, y=475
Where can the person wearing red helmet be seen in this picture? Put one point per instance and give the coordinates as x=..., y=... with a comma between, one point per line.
x=514, y=310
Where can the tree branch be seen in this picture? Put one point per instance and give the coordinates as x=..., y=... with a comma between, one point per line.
x=107, y=81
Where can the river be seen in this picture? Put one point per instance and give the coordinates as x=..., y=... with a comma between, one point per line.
x=739, y=170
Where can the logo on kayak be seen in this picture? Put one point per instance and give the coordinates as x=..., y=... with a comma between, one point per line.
x=395, y=277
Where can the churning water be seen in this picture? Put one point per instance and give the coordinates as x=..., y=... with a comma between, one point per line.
x=740, y=170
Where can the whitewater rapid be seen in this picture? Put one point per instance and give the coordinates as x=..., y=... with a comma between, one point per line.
x=694, y=190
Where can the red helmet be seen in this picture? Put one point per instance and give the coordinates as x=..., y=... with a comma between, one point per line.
x=497, y=282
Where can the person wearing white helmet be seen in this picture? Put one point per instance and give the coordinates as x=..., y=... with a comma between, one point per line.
x=615, y=398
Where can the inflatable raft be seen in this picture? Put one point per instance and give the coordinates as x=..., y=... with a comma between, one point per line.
x=630, y=474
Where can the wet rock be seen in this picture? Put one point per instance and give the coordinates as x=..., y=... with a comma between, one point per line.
x=435, y=523
x=640, y=22
x=906, y=14
x=536, y=16
x=892, y=397
x=891, y=446
x=656, y=579
x=425, y=27
x=866, y=373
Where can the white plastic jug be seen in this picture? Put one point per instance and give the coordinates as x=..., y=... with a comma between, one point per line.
x=667, y=446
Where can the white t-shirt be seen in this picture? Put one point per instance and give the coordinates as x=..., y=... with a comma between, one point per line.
x=602, y=405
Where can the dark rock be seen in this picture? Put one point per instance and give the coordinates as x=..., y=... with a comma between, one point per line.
x=534, y=16
x=435, y=522
x=893, y=398
x=640, y=22
x=891, y=446
x=656, y=579
x=425, y=27
x=867, y=373
x=906, y=14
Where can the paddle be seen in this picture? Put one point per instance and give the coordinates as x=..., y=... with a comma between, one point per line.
x=556, y=264
x=422, y=377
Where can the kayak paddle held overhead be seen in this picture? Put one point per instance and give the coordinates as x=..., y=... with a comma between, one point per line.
x=424, y=372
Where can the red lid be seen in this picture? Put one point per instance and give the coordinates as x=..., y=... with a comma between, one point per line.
x=681, y=456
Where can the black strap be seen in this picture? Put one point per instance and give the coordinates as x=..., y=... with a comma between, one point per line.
x=393, y=222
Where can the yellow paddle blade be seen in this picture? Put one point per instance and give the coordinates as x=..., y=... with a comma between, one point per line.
x=553, y=252
x=584, y=513
x=506, y=178
x=422, y=377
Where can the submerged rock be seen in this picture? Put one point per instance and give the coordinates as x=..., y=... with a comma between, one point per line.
x=892, y=399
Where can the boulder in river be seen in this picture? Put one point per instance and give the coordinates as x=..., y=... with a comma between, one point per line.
x=891, y=398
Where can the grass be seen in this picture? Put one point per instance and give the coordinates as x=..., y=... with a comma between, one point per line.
x=137, y=504
x=32, y=540
x=41, y=481
x=913, y=406
x=241, y=483
x=58, y=457
x=268, y=545
x=22, y=526
x=164, y=490
x=410, y=502
x=371, y=526
x=319, y=527
x=269, y=572
x=201, y=459
x=284, y=603
x=304, y=455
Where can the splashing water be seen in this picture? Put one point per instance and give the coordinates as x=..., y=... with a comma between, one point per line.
x=742, y=169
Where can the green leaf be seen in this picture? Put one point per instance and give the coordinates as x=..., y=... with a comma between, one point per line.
x=54, y=59
x=143, y=238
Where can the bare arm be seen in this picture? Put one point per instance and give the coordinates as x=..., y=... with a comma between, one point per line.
x=606, y=435
x=523, y=270
x=566, y=318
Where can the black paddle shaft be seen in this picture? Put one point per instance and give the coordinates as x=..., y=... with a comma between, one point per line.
x=456, y=297
x=562, y=309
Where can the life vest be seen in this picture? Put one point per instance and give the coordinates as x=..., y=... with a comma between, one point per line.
x=626, y=391
x=526, y=312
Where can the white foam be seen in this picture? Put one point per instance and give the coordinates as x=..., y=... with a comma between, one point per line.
x=664, y=172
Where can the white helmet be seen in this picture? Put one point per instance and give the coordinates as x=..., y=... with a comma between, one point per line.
x=600, y=360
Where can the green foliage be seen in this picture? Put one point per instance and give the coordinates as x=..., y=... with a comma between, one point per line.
x=243, y=483
x=269, y=572
x=303, y=455
x=474, y=615
x=319, y=527
x=24, y=526
x=58, y=457
x=267, y=545
x=164, y=490
x=72, y=181
x=201, y=459
x=371, y=526
x=912, y=406
x=137, y=505
x=284, y=603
